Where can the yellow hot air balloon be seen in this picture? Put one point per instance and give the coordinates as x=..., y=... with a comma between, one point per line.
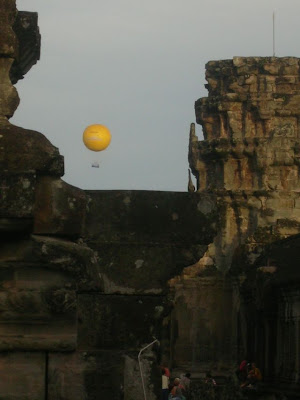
x=96, y=137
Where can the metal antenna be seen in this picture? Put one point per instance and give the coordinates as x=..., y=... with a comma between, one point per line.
x=140, y=364
x=273, y=33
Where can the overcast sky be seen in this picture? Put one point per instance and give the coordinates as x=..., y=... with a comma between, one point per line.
x=137, y=67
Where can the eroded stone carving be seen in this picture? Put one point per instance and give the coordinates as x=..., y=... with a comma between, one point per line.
x=248, y=166
x=250, y=124
x=250, y=155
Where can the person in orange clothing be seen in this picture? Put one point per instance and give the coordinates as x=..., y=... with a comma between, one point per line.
x=166, y=370
x=254, y=376
x=177, y=390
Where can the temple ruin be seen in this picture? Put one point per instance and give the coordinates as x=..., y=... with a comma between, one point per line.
x=212, y=274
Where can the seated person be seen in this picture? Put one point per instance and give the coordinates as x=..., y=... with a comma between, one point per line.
x=254, y=376
x=209, y=379
x=242, y=371
x=177, y=390
x=185, y=381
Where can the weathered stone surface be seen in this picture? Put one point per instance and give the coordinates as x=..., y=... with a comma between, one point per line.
x=145, y=238
x=23, y=150
x=29, y=43
x=204, y=330
x=86, y=375
x=102, y=374
x=38, y=302
x=17, y=195
x=271, y=300
x=248, y=165
x=8, y=40
x=118, y=322
x=23, y=375
x=94, y=374
x=250, y=155
x=132, y=382
x=9, y=99
x=143, y=268
x=250, y=125
x=148, y=216
x=56, y=254
x=59, y=208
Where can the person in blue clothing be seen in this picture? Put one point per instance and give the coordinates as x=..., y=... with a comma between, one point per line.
x=177, y=391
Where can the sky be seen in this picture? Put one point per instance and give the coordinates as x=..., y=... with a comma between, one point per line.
x=138, y=67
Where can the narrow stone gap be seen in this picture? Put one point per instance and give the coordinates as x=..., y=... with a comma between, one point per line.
x=46, y=374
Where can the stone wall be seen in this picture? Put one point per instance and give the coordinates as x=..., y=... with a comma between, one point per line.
x=146, y=236
x=141, y=239
x=271, y=297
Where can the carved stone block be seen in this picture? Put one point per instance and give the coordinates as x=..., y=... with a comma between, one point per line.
x=23, y=375
x=23, y=150
x=86, y=375
x=38, y=303
x=117, y=322
x=17, y=193
x=59, y=208
x=8, y=40
x=29, y=43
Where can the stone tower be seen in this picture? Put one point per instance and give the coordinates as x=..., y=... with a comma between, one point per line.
x=249, y=158
x=247, y=172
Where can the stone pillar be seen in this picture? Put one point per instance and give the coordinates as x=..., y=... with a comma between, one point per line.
x=9, y=99
x=33, y=197
x=24, y=154
x=23, y=375
x=204, y=329
x=40, y=272
x=289, y=336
